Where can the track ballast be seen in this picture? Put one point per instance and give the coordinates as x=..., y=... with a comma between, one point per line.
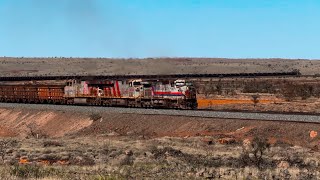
x=169, y=112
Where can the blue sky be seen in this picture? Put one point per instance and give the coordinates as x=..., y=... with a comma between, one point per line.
x=160, y=28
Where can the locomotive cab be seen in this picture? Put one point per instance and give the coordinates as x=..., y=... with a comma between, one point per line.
x=180, y=83
x=189, y=91
x=140, y=89
x=186, y=87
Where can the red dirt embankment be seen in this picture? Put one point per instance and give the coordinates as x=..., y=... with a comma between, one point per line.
x=23, y=123
x=5, y=132
x=161, y=125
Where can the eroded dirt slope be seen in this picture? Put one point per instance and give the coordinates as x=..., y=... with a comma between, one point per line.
x=50, y=123
x=21, y=122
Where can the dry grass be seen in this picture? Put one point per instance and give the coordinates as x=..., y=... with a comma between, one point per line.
x=123, y=158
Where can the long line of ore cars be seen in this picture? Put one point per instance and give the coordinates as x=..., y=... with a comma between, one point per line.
x=178, y=94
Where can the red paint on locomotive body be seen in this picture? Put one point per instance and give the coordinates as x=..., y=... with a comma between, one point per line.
x=118, y=90
x=114, y=91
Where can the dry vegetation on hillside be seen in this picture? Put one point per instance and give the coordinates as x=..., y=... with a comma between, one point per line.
x=279, y=94
x=103, y=66
x=159, y=158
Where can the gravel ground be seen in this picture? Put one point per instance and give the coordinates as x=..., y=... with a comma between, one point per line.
x=206, y=114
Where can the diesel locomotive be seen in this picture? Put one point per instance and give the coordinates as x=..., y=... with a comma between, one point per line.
x=177, y=94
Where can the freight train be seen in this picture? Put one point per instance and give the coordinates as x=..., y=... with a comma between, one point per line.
x=177, y=94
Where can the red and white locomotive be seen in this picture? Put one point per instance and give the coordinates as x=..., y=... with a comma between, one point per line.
x=179, y=94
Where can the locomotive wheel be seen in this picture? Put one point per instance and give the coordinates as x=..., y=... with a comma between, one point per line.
x=146, y=104
x=138, y=104
x=69, y=101
x=109, y=103
x=106, y=103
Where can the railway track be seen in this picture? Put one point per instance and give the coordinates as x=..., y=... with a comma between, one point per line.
x=305, y=118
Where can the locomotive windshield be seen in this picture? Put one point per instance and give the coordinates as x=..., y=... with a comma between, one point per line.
x=136, y=83
x=180, y=83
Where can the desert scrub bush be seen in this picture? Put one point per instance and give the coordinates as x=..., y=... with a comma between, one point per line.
x=296, y=160
x=50, y=143
x=305, y=91
x=82, y=161
x=107, y=177
x=211, y=88
x=254, y=154
x=259, y=87
x=95, y=116
x=159, y=153
x=255, y=99
x=292, y=91
x=190, y=159
x=35, y=132
x=6, y=144
x=32, y=171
